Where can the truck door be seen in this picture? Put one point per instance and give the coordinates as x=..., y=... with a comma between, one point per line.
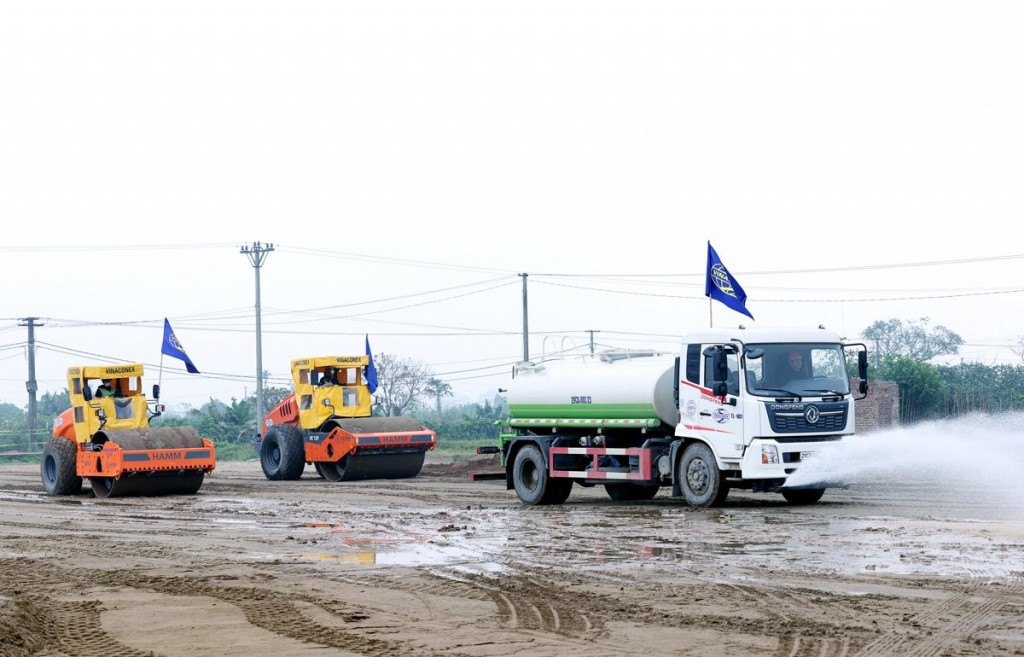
x=716, y=419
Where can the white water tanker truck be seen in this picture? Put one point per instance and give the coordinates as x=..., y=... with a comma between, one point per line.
x=737, y=408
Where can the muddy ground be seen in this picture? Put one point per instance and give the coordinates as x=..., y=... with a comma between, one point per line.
x=439, y=565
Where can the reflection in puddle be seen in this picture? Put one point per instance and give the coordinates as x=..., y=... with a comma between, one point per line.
x=414, y=546
x=350, y=559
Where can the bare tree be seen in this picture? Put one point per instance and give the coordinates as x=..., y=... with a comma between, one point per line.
x=912, y=340
x=1018, y=347
x=401, y=383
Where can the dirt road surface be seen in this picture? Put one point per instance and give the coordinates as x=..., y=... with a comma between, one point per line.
x=439, y=565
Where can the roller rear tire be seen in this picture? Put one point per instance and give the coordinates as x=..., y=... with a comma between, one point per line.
x=283, y=453
x=58, y=468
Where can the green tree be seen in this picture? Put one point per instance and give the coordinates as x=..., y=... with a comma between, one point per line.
x=52, y=404
x=895, y=338
x=921, y=389
x=271, y=397
x=9, y=411
x=437, y=388
x=478, y=422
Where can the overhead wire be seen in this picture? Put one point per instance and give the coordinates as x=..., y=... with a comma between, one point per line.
x=69, y=351
x=763, y=300
x=364, y=257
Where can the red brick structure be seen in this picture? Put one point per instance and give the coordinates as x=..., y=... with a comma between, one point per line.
x=881, y=408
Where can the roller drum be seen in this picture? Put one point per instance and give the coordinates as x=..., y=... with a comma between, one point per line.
x=146, y=484
x=370, y=425
x=173, y=482
x=134, y=440
x=399, y=462
x=384, y=465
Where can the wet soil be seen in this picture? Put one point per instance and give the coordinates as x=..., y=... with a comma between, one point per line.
x=441, y=565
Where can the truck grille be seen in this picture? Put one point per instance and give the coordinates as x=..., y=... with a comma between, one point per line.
x=796, y=417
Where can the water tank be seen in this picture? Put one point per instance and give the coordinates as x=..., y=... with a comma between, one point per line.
x=623, y=385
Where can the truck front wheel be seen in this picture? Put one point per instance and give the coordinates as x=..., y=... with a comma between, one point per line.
x=700, y=478
x=531, y=480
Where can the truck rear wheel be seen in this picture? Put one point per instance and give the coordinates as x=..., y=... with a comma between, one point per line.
x=700, y=479
x=282, y=453
x=531, y=480
x=803, y=495
x=631, y=492
x=58, y=468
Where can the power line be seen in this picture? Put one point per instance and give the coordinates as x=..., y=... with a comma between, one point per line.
x=147, y=323
x=763, y=300
x=389, y=260
x=819, y=270
x=118, y=359
x=113, y=247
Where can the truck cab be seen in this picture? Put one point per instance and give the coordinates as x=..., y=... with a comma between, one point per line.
x=765, y=400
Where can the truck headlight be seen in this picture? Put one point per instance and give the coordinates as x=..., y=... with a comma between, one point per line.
x=769, y=455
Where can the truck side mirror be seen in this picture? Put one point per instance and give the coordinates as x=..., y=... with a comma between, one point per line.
x=87, y=392
x=156, y=391
x=719, y=367
x=862, y=370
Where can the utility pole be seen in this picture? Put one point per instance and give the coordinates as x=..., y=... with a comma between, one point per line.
x=257, y=254
x=592, y=332
x=526, y=324
x=31, y=384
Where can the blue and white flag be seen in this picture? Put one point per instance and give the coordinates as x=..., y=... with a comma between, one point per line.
x=371, y=369
x=721, y=286
x=173, y=348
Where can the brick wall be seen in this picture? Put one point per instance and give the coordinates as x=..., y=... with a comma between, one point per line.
x=880, y=409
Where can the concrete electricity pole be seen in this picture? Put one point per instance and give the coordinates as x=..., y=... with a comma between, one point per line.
x=257, y=254
x=526, y=324
x=31, y=384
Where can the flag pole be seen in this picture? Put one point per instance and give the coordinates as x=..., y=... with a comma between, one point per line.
x=711, y=314
x=160, y=376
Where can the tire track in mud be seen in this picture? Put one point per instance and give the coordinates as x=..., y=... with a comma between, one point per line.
x=520, y=603
x=802, y=636
x=59, y=628
x=74, y=628
x=946, y=623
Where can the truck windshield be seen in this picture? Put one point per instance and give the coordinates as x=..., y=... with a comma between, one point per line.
x=804, y=369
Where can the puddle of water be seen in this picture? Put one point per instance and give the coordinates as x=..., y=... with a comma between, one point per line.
x=346, y=559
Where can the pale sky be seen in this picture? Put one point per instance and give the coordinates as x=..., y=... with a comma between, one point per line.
x=409, y=159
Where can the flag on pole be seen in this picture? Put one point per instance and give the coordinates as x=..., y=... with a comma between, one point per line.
x=371, y=370
x=173, y=348
x=721, y=286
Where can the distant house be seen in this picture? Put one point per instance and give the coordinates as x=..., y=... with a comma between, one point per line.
x=881, y=408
